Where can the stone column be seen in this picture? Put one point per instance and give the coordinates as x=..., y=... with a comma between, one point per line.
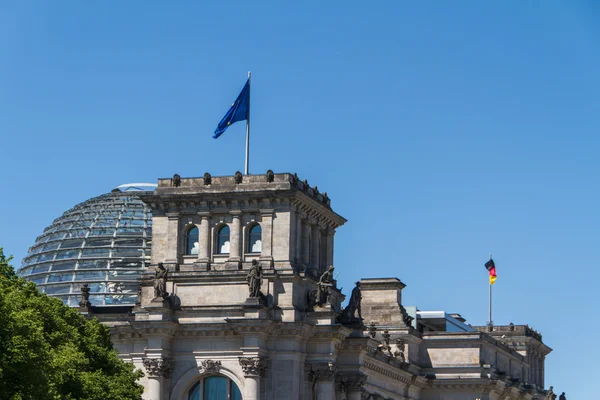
x=305, y=243
x=204, y=238
x=322, y=378
x=235, y=255
x=329, y=240
x=298, y=257
x=315, y=247
x=267, y=235
x=172, y=237
x=353, y=385
x=157, y=370
x=253, y=368
x=292, y=234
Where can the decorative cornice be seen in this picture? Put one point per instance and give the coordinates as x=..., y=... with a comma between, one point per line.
x=158, y=367
x=253, y=366
x=210, y=366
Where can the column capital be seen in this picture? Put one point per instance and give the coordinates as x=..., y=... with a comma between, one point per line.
x=353, y=382
x=321, y=371
x=253, y=366
x=158, y=367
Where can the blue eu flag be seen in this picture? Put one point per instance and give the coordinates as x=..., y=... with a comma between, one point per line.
x=238, y=112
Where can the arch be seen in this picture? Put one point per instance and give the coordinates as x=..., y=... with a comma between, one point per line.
x=222, y=240
x=187, y=381
x=191, y=240
x=254, y=238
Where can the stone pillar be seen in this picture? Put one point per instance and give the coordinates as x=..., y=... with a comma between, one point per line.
x=329, y=240
x=299, y=255
x=253, y=368
x=315, y=247
x=267, y=235
x=235, y=255
x=172, y=237
x=292, y=234
x=157, y=370
x=305, y=243
x=204, y=238
x=322, y=378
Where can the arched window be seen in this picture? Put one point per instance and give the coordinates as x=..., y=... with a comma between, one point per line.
x=254, y=239
x=223, y=240
x=215, y=388
x=191, y=241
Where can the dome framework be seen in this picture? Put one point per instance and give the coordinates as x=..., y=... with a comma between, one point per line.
x=104, y=242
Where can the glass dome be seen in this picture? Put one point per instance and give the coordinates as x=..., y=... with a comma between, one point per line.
x=104, y=242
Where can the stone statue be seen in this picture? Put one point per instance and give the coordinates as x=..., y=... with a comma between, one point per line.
x=562, y=396
x=254, y=278
x=160, y=282
x=85, y=296
x=550, y=394
x=238, y=177
x=207, y=178
x=270, y=176
x=348, y=314
x=324, y=287
x=176, y=181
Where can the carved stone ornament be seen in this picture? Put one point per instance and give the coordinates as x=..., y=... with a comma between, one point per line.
x=372, y=330
x=238, y=177
x=511, y=327
x=158, y=367
x=351, y=382
x=253, y=366
x=207, y=178
x=270, y=176
x=210, y=366
x=176, y=180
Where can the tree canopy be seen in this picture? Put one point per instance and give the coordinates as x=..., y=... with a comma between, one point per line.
x=50, y=351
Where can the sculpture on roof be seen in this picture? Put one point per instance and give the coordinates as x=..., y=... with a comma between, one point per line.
x=160, y=282
x=270, y=176
x=207, y=178
x=238, y=177
x=562, y=396
x=325, y=286
x=348, y=314
x=176, y=180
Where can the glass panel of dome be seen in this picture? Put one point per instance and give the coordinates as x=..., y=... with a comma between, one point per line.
x=127, y=275
x=70, y=244
x=58, y=289
x=40, y=268
x=131, y=222
x=51, y=246
x=98, y=242
x=105, y=223
x=103, y=232
x=62, y=277
x=25, y=271
x=129, y=265
x=132, y=242
x=127, y=231
x=45, y=257
x=119, y=299
x=92, y=264
x=60, y=255
x=97, y=300
x=95, y=287
x=58, y=235
x=78, y=233
x=96, y=252
x=64, y=299
x=63, y=266
x=127, y=252
x=39, y=279
x=90, y=275
x=74, y=301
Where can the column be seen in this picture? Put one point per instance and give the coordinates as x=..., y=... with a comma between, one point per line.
x=253, y=368
x=329, y=239
x=235, y=255
x=172, y=237
x=298, y=256
x=267, y=234
x=204, y=238
x=355, y=386
x=157, y=370
x=315, y=246
x=305, y=244
x=292, y=240
x=322, y=378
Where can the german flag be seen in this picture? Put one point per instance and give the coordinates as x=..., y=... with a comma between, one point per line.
x=491, y=267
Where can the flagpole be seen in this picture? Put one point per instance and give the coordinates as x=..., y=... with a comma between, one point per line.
x=490, y=301
x=248, y=131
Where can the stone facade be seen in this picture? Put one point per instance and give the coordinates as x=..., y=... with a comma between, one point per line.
x=281, y=345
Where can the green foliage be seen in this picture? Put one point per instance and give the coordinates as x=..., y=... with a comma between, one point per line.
x=50, y=351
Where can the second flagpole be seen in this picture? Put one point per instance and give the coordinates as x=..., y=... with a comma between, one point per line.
x=490, y=301
x=246, y=166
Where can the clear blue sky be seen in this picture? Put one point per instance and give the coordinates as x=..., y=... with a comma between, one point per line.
x=441, y=130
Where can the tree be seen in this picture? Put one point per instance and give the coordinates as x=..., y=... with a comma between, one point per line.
x=50, y=351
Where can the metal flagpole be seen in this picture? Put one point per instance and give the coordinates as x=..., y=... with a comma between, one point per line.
x=248, y=130
x=490, y=301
